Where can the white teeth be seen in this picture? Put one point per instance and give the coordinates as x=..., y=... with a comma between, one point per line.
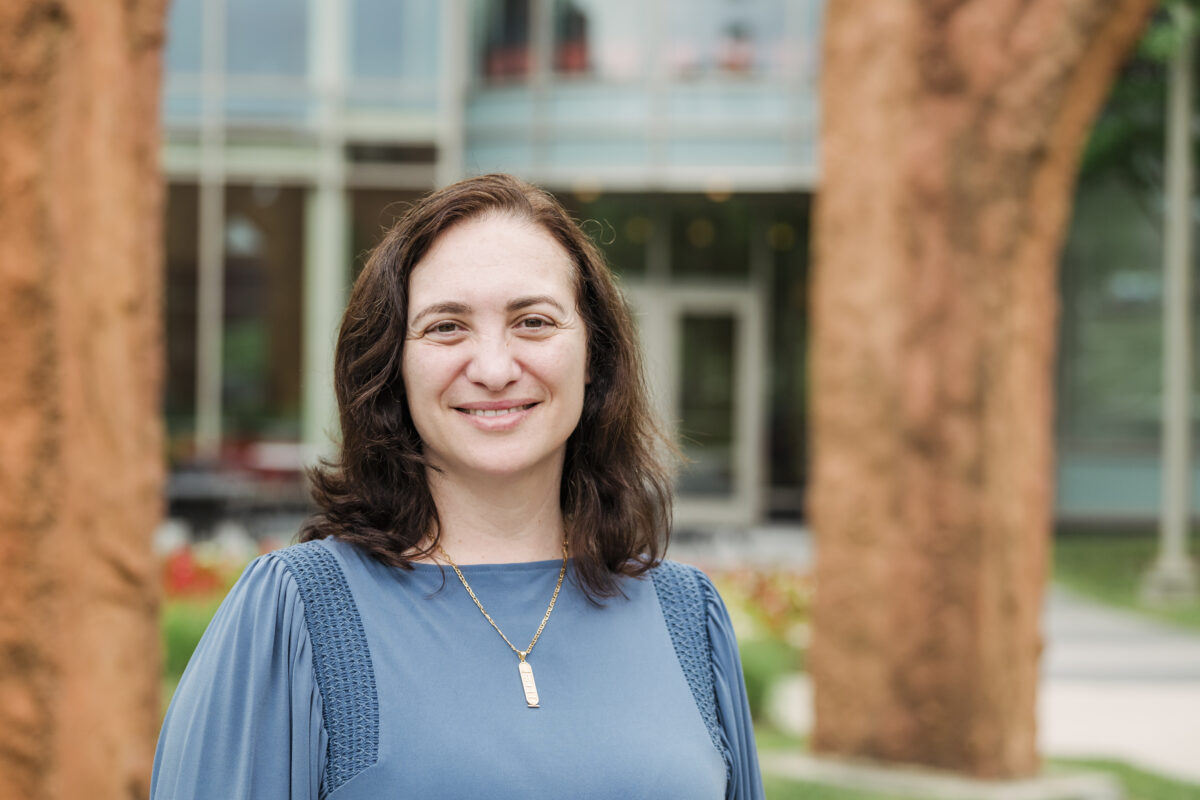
x=495, y=412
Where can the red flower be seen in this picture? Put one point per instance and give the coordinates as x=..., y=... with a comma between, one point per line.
x=184, y=576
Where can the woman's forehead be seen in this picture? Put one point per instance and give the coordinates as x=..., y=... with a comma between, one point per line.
x=494, y=256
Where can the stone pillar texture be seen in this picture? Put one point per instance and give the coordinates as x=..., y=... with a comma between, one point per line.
x=81, y=440
x=951, y=133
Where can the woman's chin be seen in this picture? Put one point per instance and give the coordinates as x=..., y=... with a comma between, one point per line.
x=503, y=467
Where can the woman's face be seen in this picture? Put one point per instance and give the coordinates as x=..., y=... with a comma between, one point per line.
x=495, y=358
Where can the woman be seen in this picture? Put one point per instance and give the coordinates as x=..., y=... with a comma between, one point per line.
x=479, y=608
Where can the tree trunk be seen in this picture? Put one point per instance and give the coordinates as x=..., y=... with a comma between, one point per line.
x=80, y=437
x=951, y=134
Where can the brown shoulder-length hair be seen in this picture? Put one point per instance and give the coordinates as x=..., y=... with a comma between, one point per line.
x=616, y=485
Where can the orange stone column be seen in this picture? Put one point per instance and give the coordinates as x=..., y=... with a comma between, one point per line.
x=950, y=138
x=81, y=441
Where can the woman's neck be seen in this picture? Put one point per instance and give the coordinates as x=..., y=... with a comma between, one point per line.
x=495, y=523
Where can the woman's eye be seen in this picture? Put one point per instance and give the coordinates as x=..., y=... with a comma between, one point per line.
x=444, y=327
x=534, y=323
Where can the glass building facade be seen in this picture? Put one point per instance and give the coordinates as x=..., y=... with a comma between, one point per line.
x=682, y=132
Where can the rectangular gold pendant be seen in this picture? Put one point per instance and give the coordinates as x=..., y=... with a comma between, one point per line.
x=531, y=695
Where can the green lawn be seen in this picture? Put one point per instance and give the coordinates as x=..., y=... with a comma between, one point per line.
x=1108, y=565
x=182, y=624
x=781, y=789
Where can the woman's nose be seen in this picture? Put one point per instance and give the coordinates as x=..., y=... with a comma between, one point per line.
x=492, y=365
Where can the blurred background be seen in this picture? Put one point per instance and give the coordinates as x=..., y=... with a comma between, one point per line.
x=685, y=134
x=683, y=131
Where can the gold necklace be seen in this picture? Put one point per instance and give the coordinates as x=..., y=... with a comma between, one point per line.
x=523, y=666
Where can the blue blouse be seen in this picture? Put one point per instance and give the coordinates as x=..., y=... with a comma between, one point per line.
x=328, y=674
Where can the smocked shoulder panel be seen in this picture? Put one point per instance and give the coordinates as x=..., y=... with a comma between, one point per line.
x=686, y=611
x=341, y=660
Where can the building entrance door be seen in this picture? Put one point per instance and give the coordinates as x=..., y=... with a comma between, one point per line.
x=705, y=355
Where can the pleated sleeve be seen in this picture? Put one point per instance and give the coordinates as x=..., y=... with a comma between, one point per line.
x=733, y=708
x=246, y=721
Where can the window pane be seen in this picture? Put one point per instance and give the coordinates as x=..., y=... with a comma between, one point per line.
x=373, y=212
x=264, y=236
x=266, y=37
x=711, y=238
x=179, y=398
x=706, y=404
x=1110, y=382
x=506, y=52
x=786, y=231
x=185, y=25
x=719, y=36
x=605, y=39
x=394, y=40
x=621, y=225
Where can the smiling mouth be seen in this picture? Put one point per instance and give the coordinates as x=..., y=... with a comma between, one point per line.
x=494, y=412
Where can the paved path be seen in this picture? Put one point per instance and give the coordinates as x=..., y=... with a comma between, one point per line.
x=1114, y=684
x=1117, y=685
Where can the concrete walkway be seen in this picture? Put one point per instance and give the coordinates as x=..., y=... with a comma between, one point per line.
x=1119, y=686
x=1115, y=685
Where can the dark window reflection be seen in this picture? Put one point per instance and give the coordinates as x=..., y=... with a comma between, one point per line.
x=373, y=212
x=179, y=398
x=710, y=237
x=264, y=238
x=787, y=236
x=570, y=39
x=1110, y=368
x=707, y=410
x=599, y=38
x=506, y=50
x=620, y=224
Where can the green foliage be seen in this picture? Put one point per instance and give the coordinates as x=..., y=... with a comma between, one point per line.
x=1165, y=31
x=768, y=738
x=1127, y=140
x=770, y=608
x=764, y=661
x=183, y=623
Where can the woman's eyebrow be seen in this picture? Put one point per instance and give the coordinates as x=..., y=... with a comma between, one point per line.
x=446, y=307
x=516, y=304
x=525, y=302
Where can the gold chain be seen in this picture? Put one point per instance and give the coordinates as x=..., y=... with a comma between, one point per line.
x=521, y=654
